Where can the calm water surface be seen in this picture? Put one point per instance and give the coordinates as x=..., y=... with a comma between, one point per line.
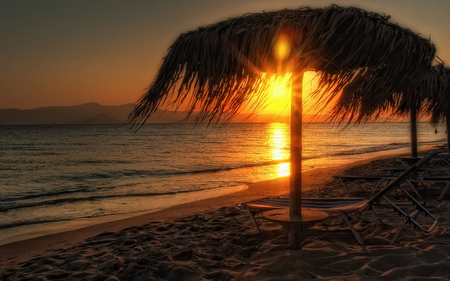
x=57, y=173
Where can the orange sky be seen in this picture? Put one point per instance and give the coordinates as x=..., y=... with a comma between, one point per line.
x=108, y=51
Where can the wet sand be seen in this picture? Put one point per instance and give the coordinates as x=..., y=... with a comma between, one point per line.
x=214, y=239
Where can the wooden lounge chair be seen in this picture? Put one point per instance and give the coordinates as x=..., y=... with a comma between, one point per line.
x=424, y=170
x=421, y=179
x=354, y=207
x=425, y=176
x=445, y=157
x=434, y=179
x=379, y=179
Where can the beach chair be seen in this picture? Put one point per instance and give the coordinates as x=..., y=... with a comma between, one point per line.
x=380, y=180
x=424, y=170
x=350, y=208
x=426, y=176
x=423, y=180
x=444, y=157
x=438, y=179
x=420, y=178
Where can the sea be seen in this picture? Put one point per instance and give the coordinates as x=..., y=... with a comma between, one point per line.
x=52, y=174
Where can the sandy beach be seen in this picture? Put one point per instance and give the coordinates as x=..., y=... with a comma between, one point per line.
x=214, y=239
x=135, y=134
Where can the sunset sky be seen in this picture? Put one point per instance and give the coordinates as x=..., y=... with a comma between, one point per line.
x=108, y=51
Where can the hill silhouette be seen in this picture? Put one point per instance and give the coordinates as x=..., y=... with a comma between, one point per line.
x=56, y=115
x=94, y=113
x=101, y=119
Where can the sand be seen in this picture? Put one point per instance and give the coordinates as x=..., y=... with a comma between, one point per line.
x=214, y=239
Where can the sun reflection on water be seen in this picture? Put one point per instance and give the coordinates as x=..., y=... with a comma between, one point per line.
x=279, y=143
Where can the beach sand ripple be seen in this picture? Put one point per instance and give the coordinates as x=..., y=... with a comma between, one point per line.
x=222, y=244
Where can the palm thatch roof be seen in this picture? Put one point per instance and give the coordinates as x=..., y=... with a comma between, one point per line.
x=219, y=70
x=430, y=97
x=434, y=93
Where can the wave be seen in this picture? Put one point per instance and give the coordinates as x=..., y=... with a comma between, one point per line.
x=105, y=161
x=123, y=174
x=22, y=223
x=19, y=205
x=372, y=149
x=159, y=173
x=48, y=194
x=40, y=221
x=162, y=172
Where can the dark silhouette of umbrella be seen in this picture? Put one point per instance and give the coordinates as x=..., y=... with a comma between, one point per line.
x=438, y=98
x=430, y=97
x=363, y=61
x=433, y=95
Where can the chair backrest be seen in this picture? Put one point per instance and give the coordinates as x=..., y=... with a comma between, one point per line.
x=399, y=180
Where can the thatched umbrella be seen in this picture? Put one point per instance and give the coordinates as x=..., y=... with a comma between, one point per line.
x=362, y=60
x=431, y=96
x=435, y=91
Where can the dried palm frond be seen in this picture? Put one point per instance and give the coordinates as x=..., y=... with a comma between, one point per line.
x=418, y=98
x=362, y=59
x=430, y=97
x=434, y=92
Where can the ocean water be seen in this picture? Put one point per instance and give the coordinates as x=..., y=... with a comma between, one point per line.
x=59, y=173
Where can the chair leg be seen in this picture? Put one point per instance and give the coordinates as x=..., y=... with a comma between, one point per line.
x=345, y=187
x=414, y=189
x=448, y=163
x=377, y=214
x=444, y=191
x=376, y=187
x=252, y=218
x=355, y=233
x=405, y=220
x=402, y=225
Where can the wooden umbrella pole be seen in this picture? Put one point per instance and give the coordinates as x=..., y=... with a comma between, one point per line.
x=448, y=131
x=413, y=123
x=295, y=194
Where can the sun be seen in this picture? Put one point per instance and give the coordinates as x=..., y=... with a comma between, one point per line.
x=279, y=93
x=280, y=85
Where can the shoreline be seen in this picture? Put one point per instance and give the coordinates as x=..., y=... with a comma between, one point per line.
x=25, y=249
x=38, y=230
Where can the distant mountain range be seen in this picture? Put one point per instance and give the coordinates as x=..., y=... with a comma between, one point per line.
x=94, y=113
x=89, y=113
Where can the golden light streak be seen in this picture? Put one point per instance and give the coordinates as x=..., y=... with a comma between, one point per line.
x=284, y=169
x=278, y=143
